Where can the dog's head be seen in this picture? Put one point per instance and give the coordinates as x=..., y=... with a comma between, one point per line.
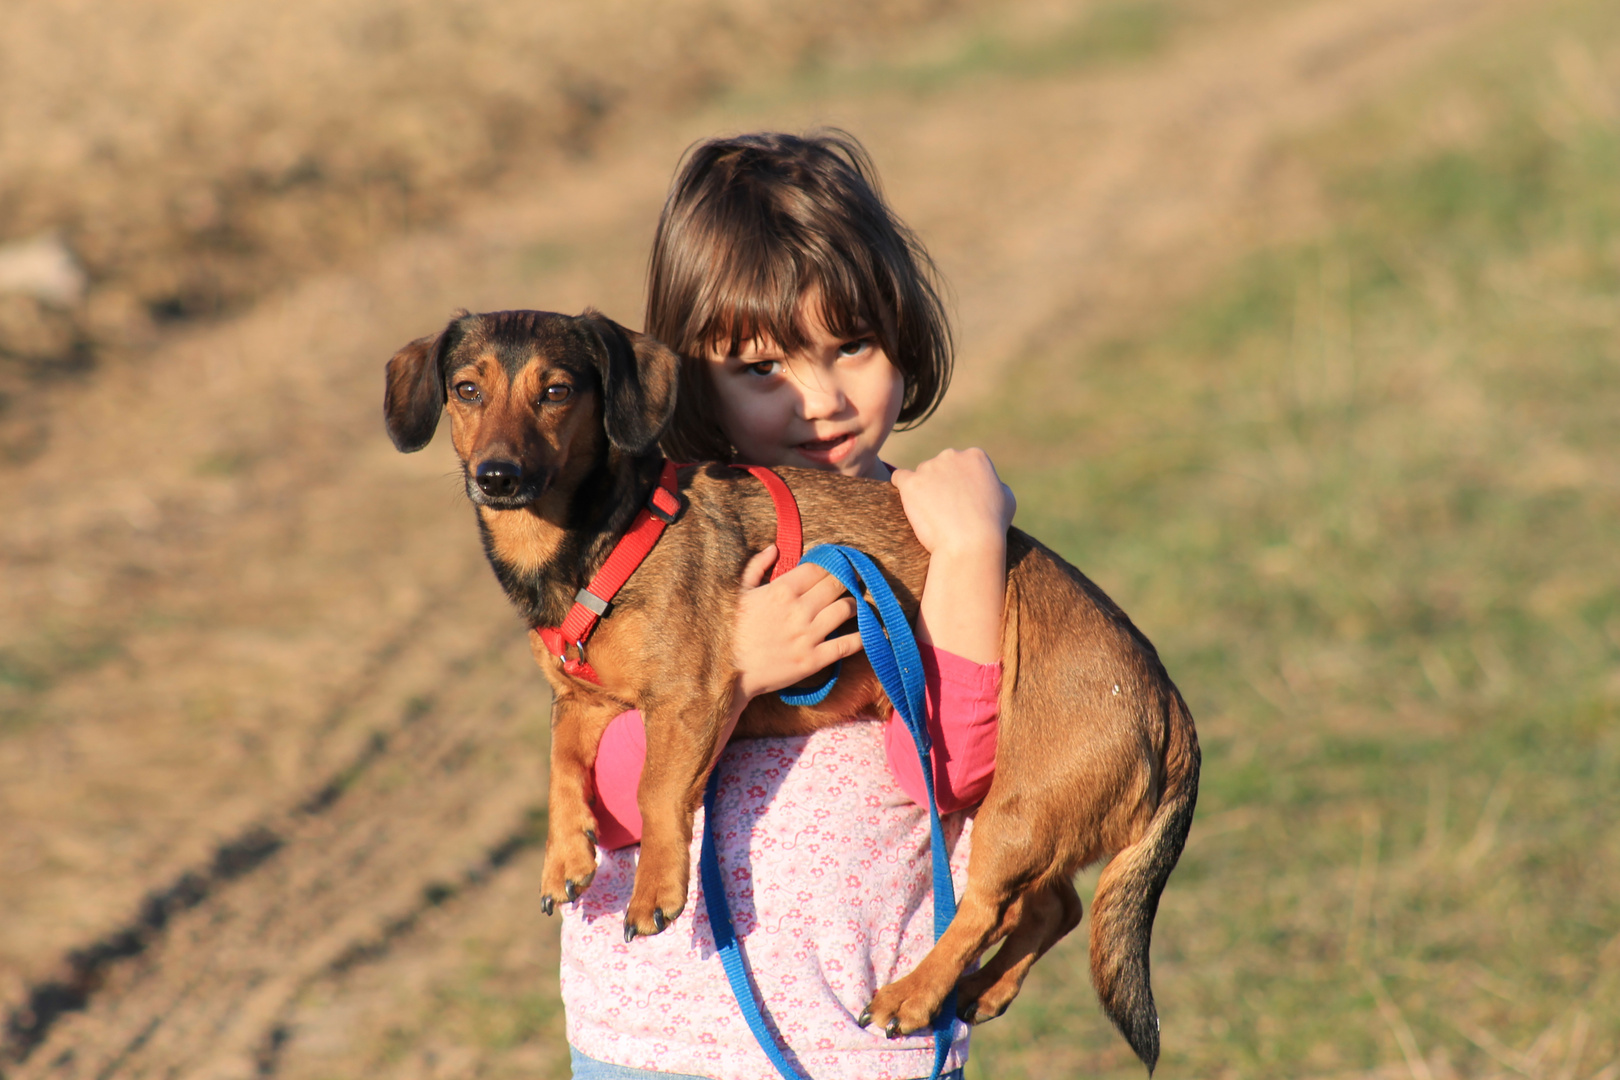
x=532, y=395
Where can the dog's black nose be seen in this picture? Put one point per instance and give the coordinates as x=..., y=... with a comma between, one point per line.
x=499, y=479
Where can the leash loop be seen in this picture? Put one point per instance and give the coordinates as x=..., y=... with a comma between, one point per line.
x=891, y=647
x=814, y=695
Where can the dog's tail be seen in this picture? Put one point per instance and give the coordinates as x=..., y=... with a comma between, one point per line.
x=1128, y=893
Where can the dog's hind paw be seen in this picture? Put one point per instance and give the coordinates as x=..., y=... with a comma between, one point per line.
x=986, y=993
x=977, y=1012
x=902, y=1007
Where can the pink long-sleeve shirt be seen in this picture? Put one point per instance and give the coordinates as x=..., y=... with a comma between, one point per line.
x=824, y=845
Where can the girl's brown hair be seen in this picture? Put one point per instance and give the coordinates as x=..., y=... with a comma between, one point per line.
x=754, y=221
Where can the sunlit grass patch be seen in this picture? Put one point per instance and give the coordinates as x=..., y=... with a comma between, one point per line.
x=1119, y=31
x=32, y=667
x=996, y=48
x=1365, y=496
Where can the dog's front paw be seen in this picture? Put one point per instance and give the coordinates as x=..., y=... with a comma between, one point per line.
x=570, y=865
x=904, y=1006
x=659, y=895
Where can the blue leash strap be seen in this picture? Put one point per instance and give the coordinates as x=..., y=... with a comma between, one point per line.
x=891, y=648
x=725, y=939
x=814, y=695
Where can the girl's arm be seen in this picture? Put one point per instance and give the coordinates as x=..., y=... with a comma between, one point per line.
x=960, y=511
x=963, y=707
x=619, y=760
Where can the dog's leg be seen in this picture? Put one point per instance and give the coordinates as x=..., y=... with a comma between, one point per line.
x=1011, y=851
x=909, y=1003
x=576, y=732
x=671, y=789
x=1040, y=918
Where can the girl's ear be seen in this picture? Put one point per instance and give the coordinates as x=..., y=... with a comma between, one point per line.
x=415, y=395
x=638, y=383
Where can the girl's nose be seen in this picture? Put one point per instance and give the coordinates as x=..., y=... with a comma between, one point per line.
x=820, y=396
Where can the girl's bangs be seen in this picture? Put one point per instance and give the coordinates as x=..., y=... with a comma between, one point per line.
x=761, y=303
x=746, y=304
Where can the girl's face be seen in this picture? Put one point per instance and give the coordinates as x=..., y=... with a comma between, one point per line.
x=828, y=406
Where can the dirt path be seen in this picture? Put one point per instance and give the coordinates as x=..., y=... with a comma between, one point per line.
x=270, y=687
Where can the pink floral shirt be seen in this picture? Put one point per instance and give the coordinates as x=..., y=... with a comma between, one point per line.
x=826, y=855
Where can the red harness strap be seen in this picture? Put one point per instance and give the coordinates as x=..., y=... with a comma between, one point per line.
x=664, y=505
x=789, y=530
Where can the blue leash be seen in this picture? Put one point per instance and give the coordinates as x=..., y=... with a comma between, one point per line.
x=891, y=649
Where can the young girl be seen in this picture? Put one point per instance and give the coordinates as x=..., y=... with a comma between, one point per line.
x=809, y=327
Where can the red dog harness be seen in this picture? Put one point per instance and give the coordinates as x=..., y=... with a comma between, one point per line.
x=664, y=506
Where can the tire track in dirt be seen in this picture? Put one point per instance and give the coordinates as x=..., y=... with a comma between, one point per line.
x=1048, y=202
x=431, y=808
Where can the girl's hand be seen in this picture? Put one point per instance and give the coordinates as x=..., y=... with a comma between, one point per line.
x=782, y=626
x=956, y=502
x=960, y=511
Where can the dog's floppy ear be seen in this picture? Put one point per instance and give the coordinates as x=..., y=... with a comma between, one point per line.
x=638, y=383
x=415, y=394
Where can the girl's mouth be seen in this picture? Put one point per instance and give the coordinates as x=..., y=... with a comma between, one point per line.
x=827, y=451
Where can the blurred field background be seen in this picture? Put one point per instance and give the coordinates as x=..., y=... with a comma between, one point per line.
x=1296, y=325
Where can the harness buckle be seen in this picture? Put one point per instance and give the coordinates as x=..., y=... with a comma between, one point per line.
x=668, y=517
x=592, y=603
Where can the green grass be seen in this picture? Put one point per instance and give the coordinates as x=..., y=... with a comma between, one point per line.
x=1365, y=496
x=495, y=1013
x=1104, y=34
x=1107, y=33
x=29, y=669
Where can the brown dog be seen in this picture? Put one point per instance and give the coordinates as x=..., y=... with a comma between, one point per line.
x=556, y=420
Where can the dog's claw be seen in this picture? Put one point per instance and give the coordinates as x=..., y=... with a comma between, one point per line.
x=547, y=904
x=865, y=1018
x=892, y=1028
x=571, y=889
x=659, y=921
x=629, y=932
x=590, y=834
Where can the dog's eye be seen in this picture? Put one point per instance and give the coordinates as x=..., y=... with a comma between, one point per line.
x=557, y=393
x=467, y=391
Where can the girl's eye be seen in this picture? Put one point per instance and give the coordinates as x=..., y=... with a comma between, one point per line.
x=467, y=391
x=554, y=394
x=854, y=348
x=765, y=367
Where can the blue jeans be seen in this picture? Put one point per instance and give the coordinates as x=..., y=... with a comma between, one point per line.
x=590, y=1069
